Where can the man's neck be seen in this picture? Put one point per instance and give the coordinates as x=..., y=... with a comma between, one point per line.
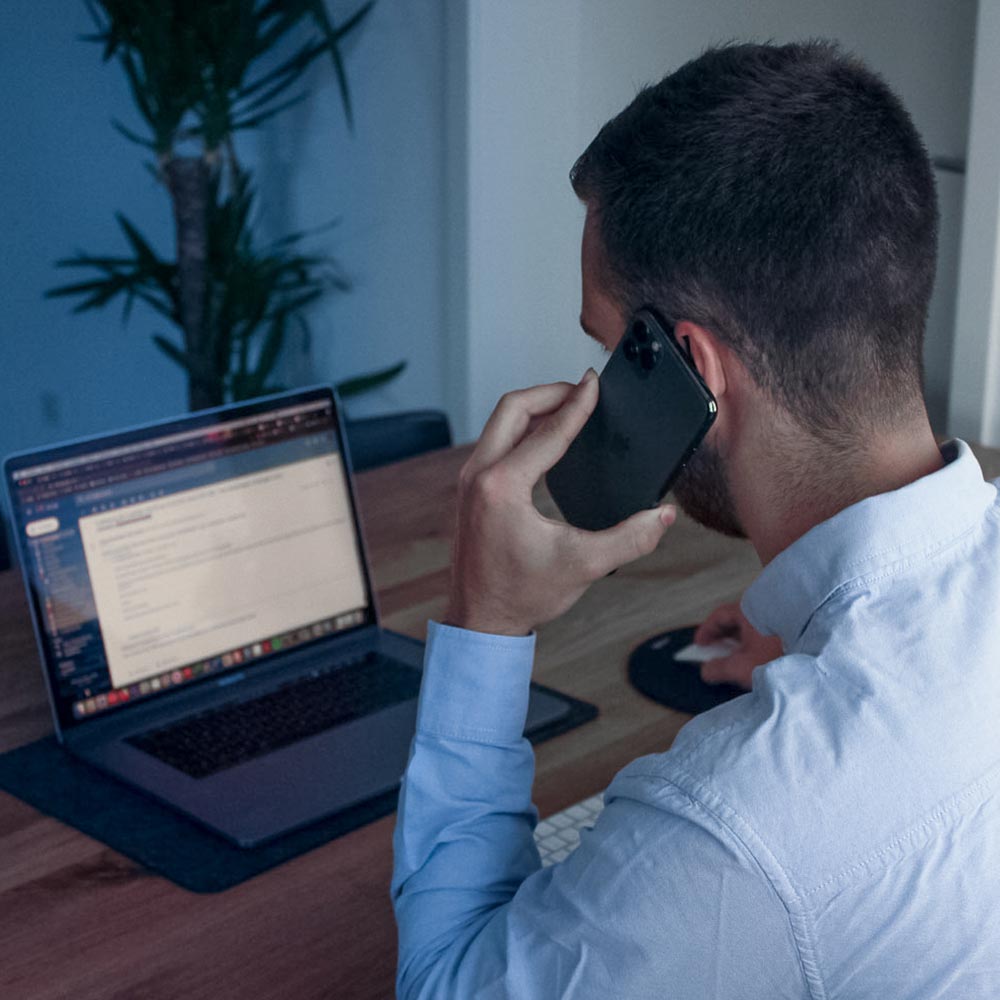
x=808, y=486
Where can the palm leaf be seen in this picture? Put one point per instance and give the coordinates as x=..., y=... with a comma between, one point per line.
x=274, y=341
x=333, y=35
x=132, y=136
x=372, y=380
x=145, y=255
x=77, y=288
x=255, y=120
x=284, y=15
x=182, y=358
x=282, y=77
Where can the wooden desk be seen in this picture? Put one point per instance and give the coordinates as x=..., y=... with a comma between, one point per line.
x=78, y=920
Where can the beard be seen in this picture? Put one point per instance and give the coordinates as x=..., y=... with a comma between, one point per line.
x=702, y=491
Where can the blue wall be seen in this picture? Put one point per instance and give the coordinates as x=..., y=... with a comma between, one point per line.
x=63, y=173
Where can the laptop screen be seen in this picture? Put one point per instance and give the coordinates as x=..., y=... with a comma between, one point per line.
x=160, y=557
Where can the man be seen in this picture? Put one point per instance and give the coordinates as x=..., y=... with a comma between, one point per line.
x=836, y=831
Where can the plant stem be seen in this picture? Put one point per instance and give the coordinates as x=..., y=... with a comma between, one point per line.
x=187, y=179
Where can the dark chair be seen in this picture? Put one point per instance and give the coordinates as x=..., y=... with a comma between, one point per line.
x=376, y=441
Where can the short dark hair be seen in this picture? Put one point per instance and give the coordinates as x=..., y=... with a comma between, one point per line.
x=782, y=197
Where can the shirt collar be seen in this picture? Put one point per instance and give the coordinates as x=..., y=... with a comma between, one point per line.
x=874, y=532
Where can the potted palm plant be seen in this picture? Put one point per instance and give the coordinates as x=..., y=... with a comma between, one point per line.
x=200, y=72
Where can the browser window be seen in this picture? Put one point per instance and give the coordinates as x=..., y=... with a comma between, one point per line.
x=185, y=554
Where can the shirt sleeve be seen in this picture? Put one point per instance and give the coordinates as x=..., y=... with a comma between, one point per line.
x=659, y=899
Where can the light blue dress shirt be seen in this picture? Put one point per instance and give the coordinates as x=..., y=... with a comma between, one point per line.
x=834, y=833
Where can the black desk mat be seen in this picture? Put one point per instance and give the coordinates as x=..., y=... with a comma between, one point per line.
x=653, y=671
x=167, y=843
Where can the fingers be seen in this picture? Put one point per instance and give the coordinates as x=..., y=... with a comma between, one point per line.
x=634, y=537
x=726, y=620
x=736, y=669
x=717, y=671
x=511, y=419
x=548, y=442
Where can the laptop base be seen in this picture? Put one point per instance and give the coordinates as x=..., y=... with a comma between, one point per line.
x=284, y=790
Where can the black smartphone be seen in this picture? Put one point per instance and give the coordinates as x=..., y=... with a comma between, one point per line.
x=652, y=413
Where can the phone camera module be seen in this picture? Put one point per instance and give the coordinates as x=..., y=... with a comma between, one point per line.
x=630, y=349
x=649, y=356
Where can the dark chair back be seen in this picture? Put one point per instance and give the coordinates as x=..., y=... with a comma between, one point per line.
x=376, y=441
x=5, y=560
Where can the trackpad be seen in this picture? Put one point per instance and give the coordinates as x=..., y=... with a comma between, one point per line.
x=544, y=709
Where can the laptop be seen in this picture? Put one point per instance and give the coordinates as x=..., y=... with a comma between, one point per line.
x=206, y=618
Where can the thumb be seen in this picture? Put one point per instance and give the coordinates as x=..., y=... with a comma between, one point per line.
x=724, y=621
x=632, y=538
x=716, y=671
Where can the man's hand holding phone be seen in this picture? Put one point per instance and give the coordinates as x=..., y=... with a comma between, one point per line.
x=512, y=568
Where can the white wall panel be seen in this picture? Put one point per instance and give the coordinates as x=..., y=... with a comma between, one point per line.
x=975, y=382
x=544, y=77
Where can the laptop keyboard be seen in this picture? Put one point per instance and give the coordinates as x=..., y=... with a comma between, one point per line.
x=236, y=732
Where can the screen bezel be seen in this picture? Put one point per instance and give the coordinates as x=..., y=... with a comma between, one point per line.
x=62, y=707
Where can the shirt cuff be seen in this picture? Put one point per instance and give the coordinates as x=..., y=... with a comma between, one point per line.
x=475, y=686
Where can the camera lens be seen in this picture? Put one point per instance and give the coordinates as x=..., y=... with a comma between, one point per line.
x=640, y=332
x=631, y=349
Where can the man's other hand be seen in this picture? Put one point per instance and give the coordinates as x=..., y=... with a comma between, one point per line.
x=512, y=568
x=729, y=622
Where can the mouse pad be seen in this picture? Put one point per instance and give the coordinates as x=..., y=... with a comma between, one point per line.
x=653, y=671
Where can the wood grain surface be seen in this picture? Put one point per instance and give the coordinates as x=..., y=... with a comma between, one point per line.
x=78, y=920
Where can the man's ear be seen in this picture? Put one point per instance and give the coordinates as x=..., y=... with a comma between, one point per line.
x=707, y=353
